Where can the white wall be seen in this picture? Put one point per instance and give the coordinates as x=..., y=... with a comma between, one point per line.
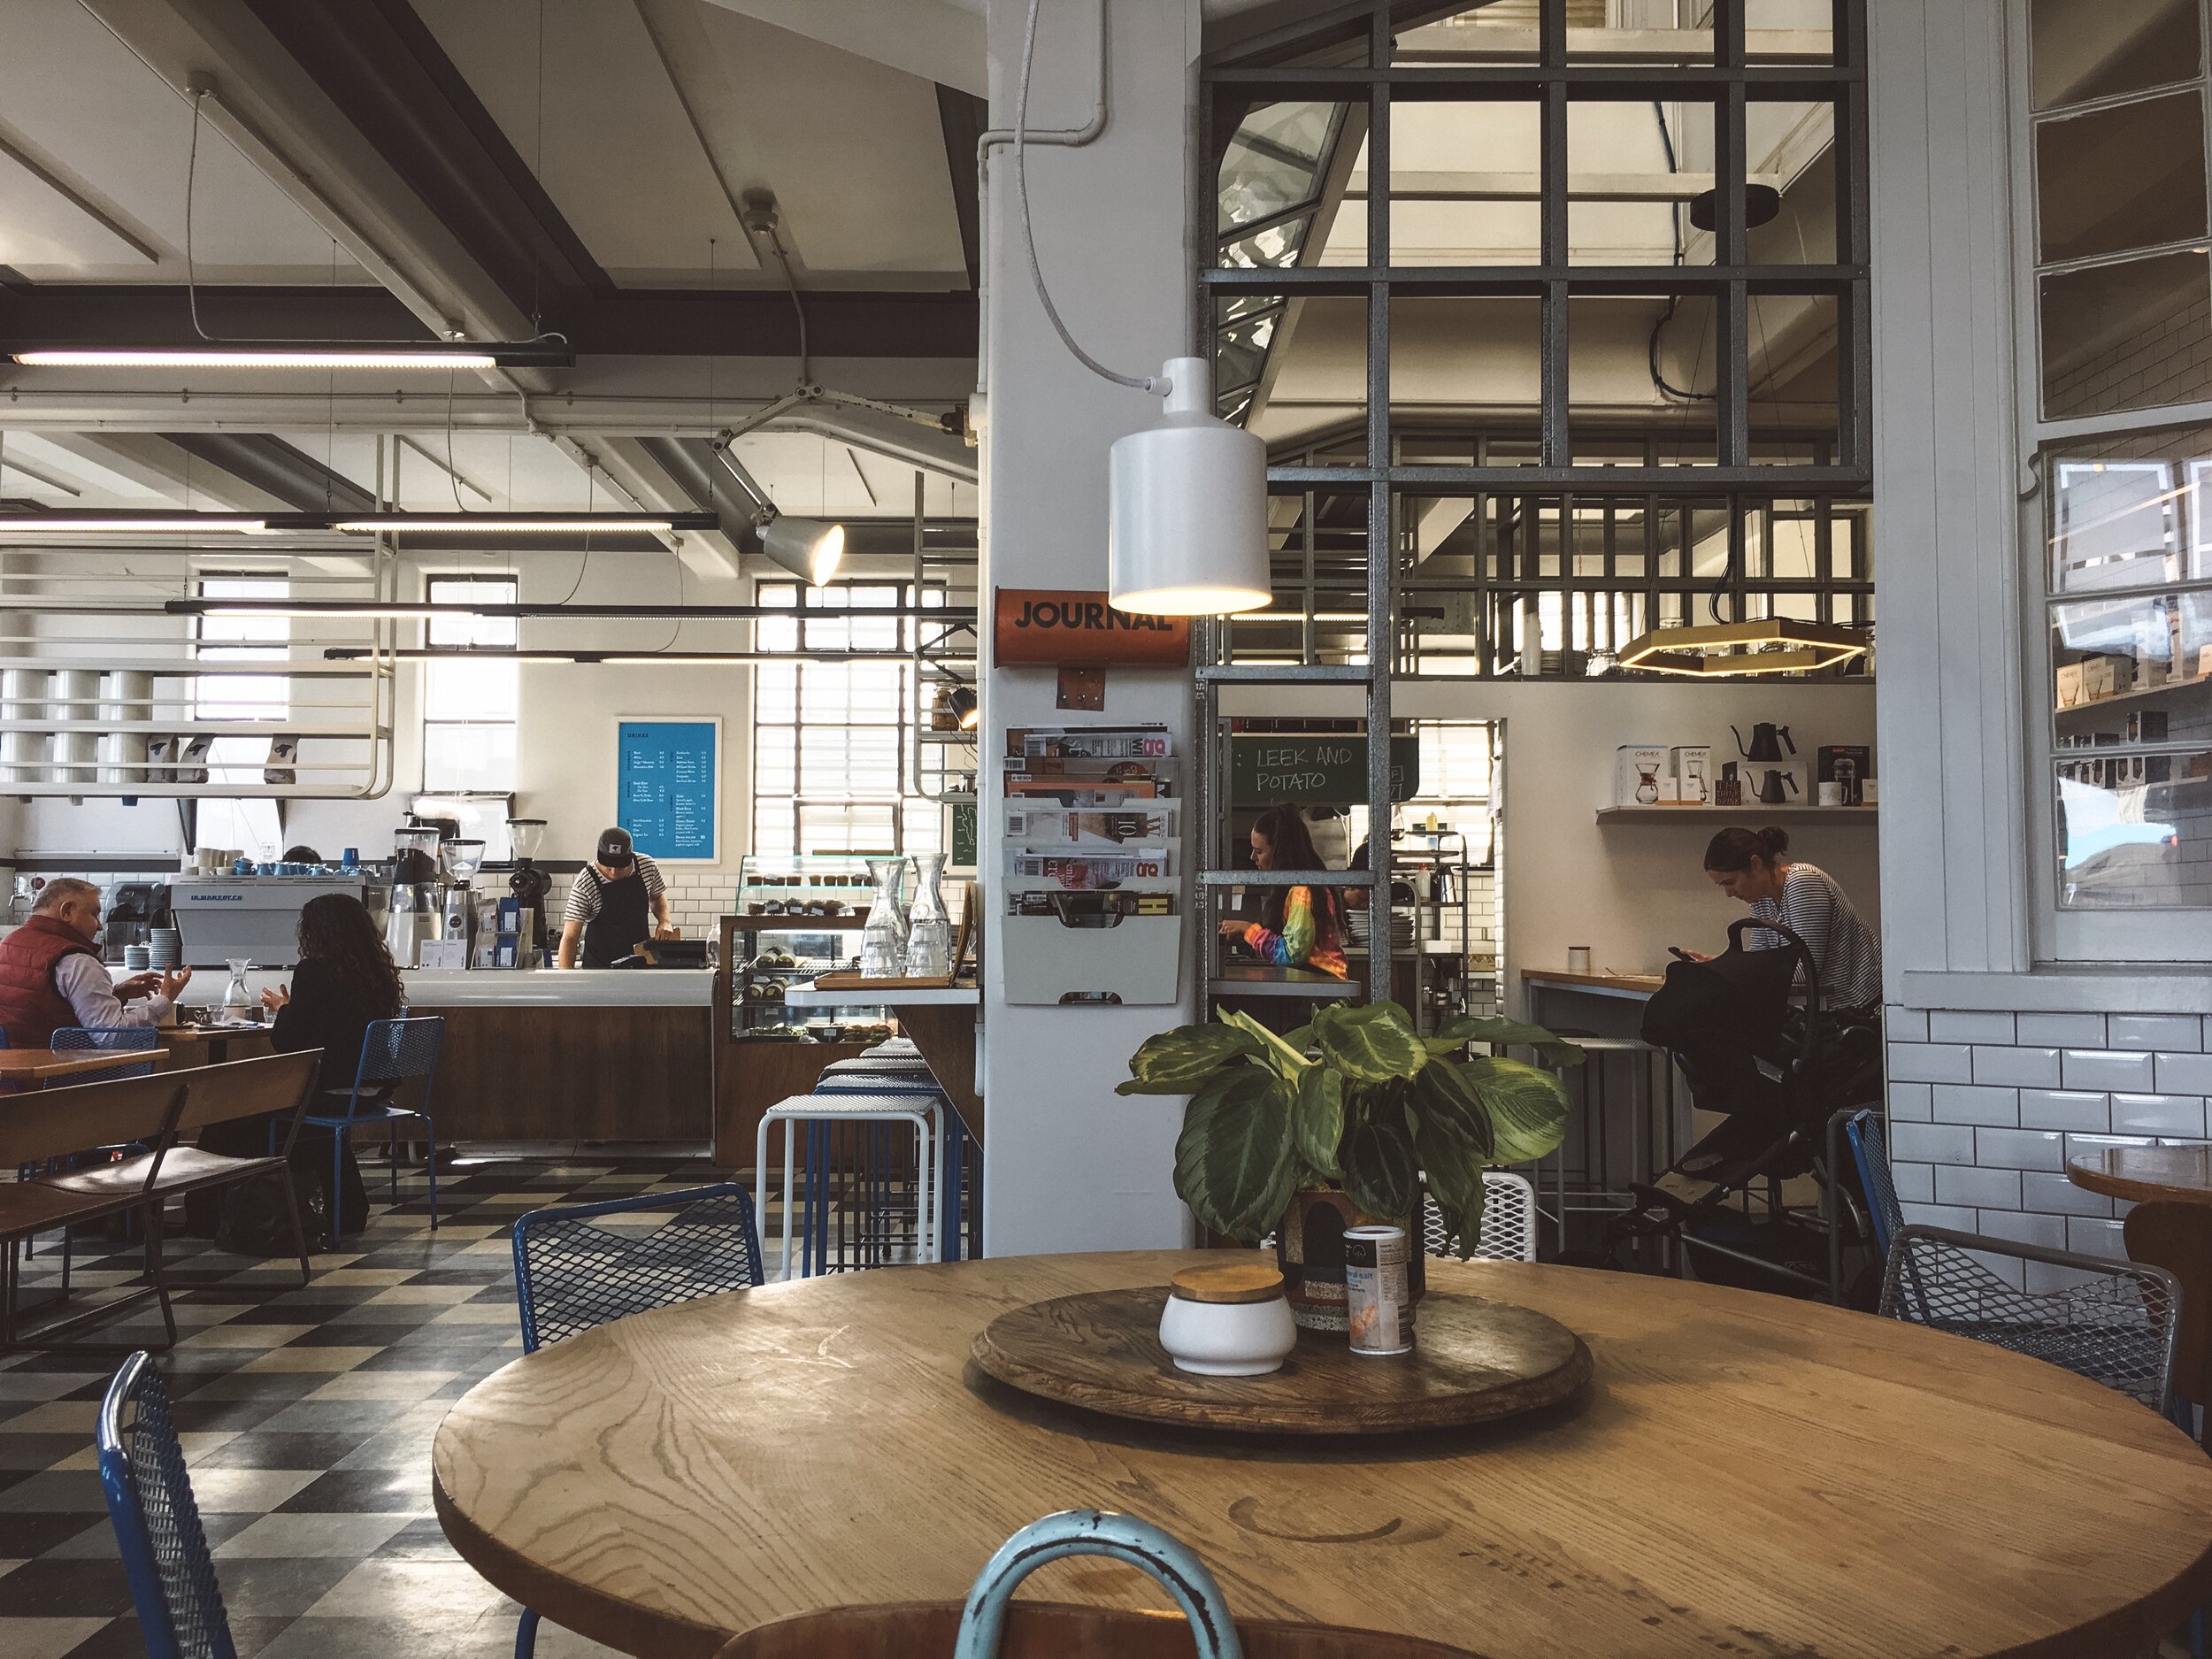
x=1626, y=890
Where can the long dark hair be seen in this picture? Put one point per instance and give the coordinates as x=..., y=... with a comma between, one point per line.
x=337, y=931
x=1734, y=847
x=1290, y=843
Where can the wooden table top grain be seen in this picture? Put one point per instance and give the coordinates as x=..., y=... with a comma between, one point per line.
x=2169, y=1175
x=1744, y=1473
x=19, y=1064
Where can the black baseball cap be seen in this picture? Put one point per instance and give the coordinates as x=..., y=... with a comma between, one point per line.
x=614, y=848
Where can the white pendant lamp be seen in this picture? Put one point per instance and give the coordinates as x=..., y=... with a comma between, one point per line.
x=1187, y=536
x=807, y=548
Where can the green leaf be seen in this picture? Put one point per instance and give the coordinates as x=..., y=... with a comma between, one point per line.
x=1271, y=1050
x=1372, y=1044
x=1233, y=1161
x=1446, y=1093
x=1317, y=1118
x=1528, y=1108
x=1462, y=1029
x=1454, y=1181
x=1177, y=1062
x=1379, y=1169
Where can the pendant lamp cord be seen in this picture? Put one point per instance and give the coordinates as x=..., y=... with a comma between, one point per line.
x=1141, y=382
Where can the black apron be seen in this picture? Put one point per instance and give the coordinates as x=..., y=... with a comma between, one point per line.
x=623, y=919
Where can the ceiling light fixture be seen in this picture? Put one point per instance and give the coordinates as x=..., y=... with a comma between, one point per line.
x=522, y=522
x=127, y=521
x=1187, y=531
x=809, y=549
x=1773, y=645
x=415, y=610
x=278, y=355
x=1761, y=203
x=605, y=659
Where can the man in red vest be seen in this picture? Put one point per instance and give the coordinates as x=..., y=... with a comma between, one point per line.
x=50, y=973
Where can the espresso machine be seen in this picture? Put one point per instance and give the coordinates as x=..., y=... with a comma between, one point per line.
x=418, y=911
x=461, y=859
x=530, y=887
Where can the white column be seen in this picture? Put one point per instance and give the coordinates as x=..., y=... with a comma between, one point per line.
x=1069, y=1165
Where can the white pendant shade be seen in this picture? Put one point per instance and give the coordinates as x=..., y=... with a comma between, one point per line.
x=807, y=548
x=1188, y=532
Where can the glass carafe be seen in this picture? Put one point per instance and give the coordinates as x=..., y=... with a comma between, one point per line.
x=883, y=939
x=237, y=1000
x=928, y=929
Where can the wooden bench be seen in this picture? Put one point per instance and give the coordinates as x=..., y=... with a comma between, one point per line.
x=57, y=1122
x=220, y=1094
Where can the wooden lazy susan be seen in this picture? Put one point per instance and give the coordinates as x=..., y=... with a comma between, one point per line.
x=1474, y=1361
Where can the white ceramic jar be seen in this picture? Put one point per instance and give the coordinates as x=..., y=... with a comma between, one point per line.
x=1229, y=1321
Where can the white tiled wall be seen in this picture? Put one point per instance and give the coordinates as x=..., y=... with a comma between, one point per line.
x=1985, y=1108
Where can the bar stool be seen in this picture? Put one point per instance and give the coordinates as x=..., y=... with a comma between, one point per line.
x=1653, y=1132
x=896, y=1065
x=823, y=1112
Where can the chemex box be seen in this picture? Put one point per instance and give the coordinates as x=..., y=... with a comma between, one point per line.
x=1639, y=774
x=1850, y=764
x=1690, y=768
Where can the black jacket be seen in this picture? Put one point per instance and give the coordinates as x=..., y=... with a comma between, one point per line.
x=324, y=1014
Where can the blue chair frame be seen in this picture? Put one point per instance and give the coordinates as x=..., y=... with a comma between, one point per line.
x=393, y=1052
x=76, y=1038
x=157, y=1530
x=662, y=1284
x=1870, y=1152
x=861, y=1080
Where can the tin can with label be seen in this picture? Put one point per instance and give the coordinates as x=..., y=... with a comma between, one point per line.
x=1377, y=1303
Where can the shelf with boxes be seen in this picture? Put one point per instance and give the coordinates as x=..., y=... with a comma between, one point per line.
x=1770, y=774
x=1091, y=878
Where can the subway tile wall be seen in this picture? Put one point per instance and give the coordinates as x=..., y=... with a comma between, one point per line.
x=1986, y=1110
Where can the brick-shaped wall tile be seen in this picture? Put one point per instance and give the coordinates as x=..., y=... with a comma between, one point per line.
x=2055, y=1196
x=1911, y=1103
x=2105, y=1070
x=2047, y=1232
x=2082, y=1109
x=2183, y=1073
x=2155, y=1031
x=2016, y=1067
x=1984, y=1189
x=1974, y=1104
x=1930, y=1063
x=1915, y=1182
x=1907, y=1024
x=1932, y=1143
x=2062, y=1031
x=2088, y=1146
x=1941, y=1216
x=1948, y=1026
x=2159, y=1115
x=2087, y=1235
x=2019, y=1148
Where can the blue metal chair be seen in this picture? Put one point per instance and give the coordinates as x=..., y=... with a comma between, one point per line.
x=393, y=1052
x=76, y=1039
x=1863, y=1129
x=157, y=1523
x=572, y=1274
x=1090, y=1533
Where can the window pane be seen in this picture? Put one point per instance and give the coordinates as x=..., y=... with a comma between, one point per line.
x=1273, y=162
x=2116, y=179
x=2134, y=335
x=488, y=690
x=2132, y=670
x=490, y=633
x=2081, y=50
x=2135, y=832
x=2115, y=523
x=470, y=759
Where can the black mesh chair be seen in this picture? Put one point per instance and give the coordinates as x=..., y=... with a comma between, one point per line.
x=158, y=1525
x=2114, y=1325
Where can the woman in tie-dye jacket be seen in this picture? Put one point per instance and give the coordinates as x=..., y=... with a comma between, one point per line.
x=1300, y=926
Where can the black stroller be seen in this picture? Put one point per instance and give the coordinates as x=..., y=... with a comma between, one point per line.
x=1778, y=1072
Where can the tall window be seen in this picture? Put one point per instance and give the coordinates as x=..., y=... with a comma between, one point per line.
x=2117, y=376
x=249, y=824
x=833, y=742
x=469, y=708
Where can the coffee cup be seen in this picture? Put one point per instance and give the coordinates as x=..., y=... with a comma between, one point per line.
x=1832, y=794
x=1578, y=958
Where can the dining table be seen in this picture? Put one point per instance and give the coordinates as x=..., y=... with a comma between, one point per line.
x=213, y=1044
x=39, y=1065
x=2157, y=1175
x=1743, y=1474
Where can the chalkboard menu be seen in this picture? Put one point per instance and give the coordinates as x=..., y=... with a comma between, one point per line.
x=667, y=786
x=1313, y=768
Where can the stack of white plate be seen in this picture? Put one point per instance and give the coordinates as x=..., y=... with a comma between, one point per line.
x=166, y=951
x=137, y=958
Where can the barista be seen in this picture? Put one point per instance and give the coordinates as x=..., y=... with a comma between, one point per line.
x=616, y=901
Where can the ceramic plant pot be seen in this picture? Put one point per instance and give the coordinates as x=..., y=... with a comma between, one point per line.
x=1310, y=1249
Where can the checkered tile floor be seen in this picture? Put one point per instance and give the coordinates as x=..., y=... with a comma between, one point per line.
x=307, y=1414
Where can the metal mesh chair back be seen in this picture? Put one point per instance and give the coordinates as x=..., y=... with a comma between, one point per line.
x=885, y=1065
x=1508, y=1221
x=572, y=1273
x=157, y=1524
x=1870, y=1152
x=76, y=1039
x=2115, y=1324
x=393, y=1051
x=879, y=1083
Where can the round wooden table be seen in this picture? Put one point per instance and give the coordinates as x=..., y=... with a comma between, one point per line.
x=2156, y=1175
x=1745, y=1474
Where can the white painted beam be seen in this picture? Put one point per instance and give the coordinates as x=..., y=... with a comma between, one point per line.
x=938, y=39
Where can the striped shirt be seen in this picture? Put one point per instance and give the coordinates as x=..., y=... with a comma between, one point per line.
x=1815, y=908
x=583, y=893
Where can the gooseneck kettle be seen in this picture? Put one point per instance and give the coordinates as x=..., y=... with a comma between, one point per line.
x=1766, y=741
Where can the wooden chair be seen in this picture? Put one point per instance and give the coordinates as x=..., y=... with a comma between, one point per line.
x=57, y=1122
x=2178, y=1238
x=220, y=1094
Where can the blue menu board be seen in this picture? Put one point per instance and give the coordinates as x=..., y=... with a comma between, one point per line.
x=667, y=783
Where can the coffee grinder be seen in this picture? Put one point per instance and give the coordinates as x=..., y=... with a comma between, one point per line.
x=415, y=914
x=461, y=858
x=530, y=887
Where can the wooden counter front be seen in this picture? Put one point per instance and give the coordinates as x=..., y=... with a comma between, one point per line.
x=538, y=1071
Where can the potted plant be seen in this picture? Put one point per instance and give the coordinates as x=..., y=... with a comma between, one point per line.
x=1345, y=1119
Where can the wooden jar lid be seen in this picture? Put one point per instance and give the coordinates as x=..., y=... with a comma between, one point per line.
x=1242, y=1281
